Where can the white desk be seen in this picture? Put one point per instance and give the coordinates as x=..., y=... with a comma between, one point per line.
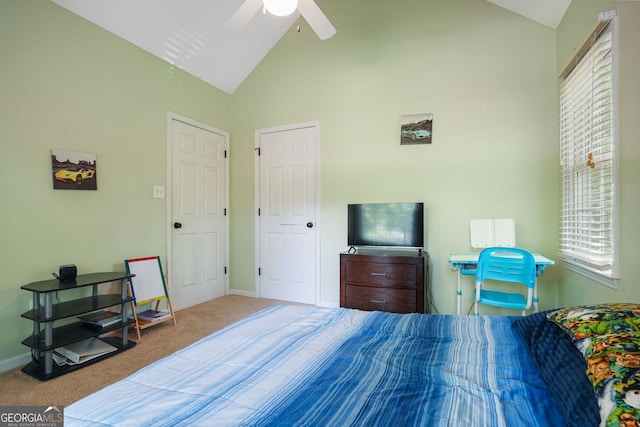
x=466, y=264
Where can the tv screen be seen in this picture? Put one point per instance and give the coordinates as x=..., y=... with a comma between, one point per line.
x=386, y=224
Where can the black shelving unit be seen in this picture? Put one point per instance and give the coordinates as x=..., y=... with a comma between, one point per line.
x=47, y=336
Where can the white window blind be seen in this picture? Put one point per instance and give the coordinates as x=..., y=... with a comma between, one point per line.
x=587, y=156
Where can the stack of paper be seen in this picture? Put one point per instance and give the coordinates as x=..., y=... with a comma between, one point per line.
x=153, y=315
x=102, y=318
x=81, y=352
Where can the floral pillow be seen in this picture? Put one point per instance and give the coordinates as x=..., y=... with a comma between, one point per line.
x=587, y=321
x=614, y=370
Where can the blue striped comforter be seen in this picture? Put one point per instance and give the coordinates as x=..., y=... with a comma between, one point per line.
x=309, y=366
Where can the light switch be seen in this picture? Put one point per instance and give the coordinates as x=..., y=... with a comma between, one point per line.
x=158, y=191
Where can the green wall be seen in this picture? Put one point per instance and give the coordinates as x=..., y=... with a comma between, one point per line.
x=67, y=84
x=578, y=22
x=487, y=75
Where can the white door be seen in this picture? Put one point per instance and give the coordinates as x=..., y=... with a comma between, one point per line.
x=198, y=241
x=287, y=213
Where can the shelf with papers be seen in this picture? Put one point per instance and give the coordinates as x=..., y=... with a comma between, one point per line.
x=53, y=328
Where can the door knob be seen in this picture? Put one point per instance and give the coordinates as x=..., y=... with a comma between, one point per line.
x=177, y=225
x=309, y=224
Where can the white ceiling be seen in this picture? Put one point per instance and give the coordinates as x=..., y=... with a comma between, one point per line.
x=190, y=34
x=546, y=12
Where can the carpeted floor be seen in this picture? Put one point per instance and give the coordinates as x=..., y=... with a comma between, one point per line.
x=193, y=323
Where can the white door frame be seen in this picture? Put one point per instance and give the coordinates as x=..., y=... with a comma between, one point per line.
x=171, y=116
x=316, y=126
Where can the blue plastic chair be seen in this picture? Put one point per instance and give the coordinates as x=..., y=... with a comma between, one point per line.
x=505, y=265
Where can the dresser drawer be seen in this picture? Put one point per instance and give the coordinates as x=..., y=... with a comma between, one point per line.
x=382, y=299
x=391, y=281
x=381, y=274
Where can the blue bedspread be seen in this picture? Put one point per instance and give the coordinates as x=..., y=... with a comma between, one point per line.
x=309, y=366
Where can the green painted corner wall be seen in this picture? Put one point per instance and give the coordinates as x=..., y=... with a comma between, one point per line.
x=489, y=78
x=67, y=84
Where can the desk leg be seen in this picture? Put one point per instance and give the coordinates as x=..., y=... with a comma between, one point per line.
x=459, y=294
x=535, y=295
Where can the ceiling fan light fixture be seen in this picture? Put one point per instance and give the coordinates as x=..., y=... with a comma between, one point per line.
x=280, y=7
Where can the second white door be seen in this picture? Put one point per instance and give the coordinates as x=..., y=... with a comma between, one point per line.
x=287, y=213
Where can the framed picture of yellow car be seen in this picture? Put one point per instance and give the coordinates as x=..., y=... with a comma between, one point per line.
x=73, y=170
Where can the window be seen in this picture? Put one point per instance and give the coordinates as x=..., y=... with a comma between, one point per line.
x=587, y=158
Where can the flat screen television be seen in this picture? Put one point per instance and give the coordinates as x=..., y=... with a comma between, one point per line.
x=386, y=225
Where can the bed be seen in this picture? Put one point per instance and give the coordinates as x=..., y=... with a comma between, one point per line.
x=311, y=366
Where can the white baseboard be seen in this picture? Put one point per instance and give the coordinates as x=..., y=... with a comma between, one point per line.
x=328, y=304
x=15, y=362
x=242, y=293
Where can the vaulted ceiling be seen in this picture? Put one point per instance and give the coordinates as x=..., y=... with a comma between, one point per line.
x=190, y=34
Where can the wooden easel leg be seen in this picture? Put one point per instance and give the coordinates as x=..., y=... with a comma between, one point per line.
x=173, y=315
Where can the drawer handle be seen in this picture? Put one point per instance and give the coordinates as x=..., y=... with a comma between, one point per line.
x=376, y=301
x=378, y=274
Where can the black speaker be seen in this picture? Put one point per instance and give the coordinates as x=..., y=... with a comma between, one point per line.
x=68, y=272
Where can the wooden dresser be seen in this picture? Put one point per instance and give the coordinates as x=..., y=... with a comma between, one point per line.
x=392, y=281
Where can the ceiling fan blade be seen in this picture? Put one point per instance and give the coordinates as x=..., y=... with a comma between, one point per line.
x=316, y=19
x=243, y=15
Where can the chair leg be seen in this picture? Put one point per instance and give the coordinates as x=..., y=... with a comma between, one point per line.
x=475, y=308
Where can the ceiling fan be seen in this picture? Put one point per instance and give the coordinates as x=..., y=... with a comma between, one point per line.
x=307, y=8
